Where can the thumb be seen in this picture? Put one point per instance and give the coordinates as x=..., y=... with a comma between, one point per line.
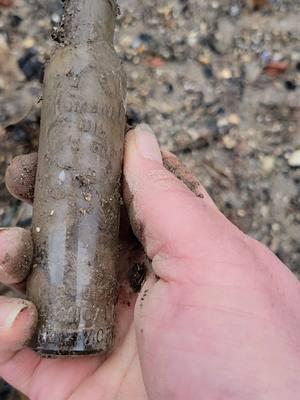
x=167, y=217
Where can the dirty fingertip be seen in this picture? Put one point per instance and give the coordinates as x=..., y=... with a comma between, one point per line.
x=143, y=142
x=15, y=255
x=18, y=319
x=20, y=177
x=26, y=322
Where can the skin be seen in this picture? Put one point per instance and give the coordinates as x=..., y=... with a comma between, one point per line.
x=217, y=319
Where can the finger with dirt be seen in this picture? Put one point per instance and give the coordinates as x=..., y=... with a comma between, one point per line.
x=17, y=317
x=18, y=320
x=174, y=165
x=20, y=177
x=15, y=255
x=20, y=181
x=21, y=173
x=151, y=192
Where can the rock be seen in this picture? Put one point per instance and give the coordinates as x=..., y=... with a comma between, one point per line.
x=294, y=159
x=274, y=68
x=28, y=43
x=32, y=68
x=193, y=38
x=290, y=85
x=253, y=71
x=15, y=20
x=204, y=59
x=229, y=142
x=224, y=35
x=268, y=163
x=234, y=119
x=10, y=72
x=226, y=74
x=235, y=10
x=55, y=18
x=162, y=106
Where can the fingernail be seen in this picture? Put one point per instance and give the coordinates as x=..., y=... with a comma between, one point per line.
x=9, y=312
x=146, y=143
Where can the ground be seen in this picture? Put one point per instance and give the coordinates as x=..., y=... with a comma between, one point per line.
x=217, y=80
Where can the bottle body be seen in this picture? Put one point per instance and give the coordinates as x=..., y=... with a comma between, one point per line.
x=77, y=201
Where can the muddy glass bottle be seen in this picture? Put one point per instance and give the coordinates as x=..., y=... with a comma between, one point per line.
x=77, y=194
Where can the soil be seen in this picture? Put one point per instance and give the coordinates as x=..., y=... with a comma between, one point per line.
x=219, y=82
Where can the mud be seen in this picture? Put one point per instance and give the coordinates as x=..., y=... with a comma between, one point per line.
x=137, y=276
x=76, y=216
x=172, y=164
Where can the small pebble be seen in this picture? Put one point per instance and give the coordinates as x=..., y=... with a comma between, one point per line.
x=221, y=123
x=234, y=119
x=87, y=196
x=241, y=213
x=28, y=42
x=290, y=85
x=55, y=18
x=235, y=11
x=229, y=142
x=294, y=159
x=268, y=163
x=226, y=74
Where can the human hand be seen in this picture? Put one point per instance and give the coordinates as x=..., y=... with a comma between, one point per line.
x=217, y=318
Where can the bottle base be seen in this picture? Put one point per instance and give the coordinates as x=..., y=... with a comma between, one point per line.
x=59, y=353
x=73, y=344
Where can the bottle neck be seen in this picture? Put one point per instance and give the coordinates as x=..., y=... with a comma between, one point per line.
x=87, y=21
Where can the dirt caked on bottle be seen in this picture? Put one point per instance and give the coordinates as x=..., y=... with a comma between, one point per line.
x=77, y=194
